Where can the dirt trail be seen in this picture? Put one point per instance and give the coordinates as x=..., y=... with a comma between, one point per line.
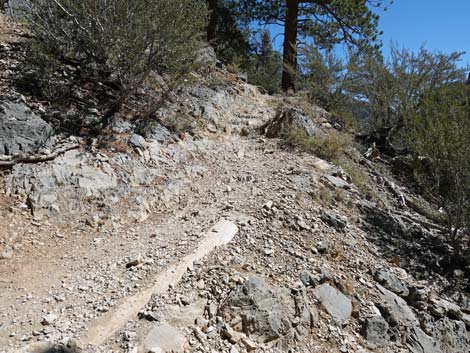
x=77, y=274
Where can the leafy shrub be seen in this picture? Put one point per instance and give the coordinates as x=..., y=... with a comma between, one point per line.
x=329, y=147
x=119, y=41
x=359, y=177
x=441, y=137
x=392, y=89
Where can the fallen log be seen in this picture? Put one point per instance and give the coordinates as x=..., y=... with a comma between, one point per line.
x=103, y=327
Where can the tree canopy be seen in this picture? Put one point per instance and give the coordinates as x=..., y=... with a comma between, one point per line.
x=324, y=23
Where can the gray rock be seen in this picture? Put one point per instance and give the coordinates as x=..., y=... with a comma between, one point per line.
x=321, y=275
x=452, y=336
x=185, y=316
x=156, y=131
x=135, y=260
x=383, y=220
x=338, y=182
x=426, y=322
x=308, y=279
x=466, y=320
x=334, y=302
x=48, y=319
x=62, y=184
x=121, y=126
x=22, y=131
x=442, y=307
x=163, y=339
x=137, y=141
x=48, y=347
x=464, y=303
x=206, y=57
x=266, y=313
x=375, y=331
x=419, y=342
x=417, y=296
x=397, y=312
x=6, y=254
x=323, y=246
x=333, y=220
x=391, y=282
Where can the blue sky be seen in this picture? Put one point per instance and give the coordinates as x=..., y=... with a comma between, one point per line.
x=440, y=25
x=437, y=24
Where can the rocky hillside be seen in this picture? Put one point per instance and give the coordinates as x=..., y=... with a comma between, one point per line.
x=204, y=232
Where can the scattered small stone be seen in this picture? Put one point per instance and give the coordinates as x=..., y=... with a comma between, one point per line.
x=233, y=349
x=134, y=261
x=211, y=128
x=48, y=319
x=129, y=336
x=268, y=252
x=322, y=247
x=268, y=205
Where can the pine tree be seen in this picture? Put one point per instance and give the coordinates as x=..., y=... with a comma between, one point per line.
x=325, y=22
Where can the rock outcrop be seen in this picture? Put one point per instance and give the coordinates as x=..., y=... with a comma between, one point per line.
x=22, y=131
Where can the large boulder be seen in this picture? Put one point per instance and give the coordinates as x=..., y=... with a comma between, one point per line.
x=289, y=120
x=22, y=131
x=265, y=313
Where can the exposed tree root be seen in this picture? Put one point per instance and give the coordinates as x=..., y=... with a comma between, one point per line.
x=13, y=160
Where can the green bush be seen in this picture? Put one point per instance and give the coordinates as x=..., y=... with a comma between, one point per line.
x=329, y=147
x=118, y=40
x=442, y=140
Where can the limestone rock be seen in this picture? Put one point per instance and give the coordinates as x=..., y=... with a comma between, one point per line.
x=156, y=131
x=375, y=331
x=137, y=141
x=265, y=313
x=164, y=339
x=419, y=342
x=397, y=310
x=21, y=131
x=391, y=282
x=442, y=307
x=334, y=302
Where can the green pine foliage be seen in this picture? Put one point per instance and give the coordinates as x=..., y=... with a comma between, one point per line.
x=264, y=67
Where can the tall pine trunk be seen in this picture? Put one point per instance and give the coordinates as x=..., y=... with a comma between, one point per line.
x=290, y=46
x=212, y=25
